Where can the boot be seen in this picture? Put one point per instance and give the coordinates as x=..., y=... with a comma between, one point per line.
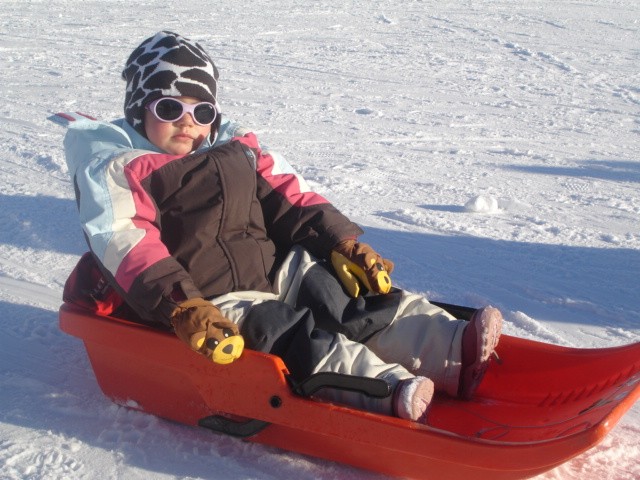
x=479, y=341
x=412, y=398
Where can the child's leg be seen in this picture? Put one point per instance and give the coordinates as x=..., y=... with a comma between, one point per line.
x=278, y=328
x=352, y=358
x=425, y=339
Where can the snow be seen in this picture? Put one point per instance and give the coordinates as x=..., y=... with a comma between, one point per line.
x=491, y=149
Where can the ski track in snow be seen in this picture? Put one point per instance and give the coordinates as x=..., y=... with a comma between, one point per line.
x=491, y=150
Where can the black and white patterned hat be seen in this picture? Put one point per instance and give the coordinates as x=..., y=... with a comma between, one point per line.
x=170, y=65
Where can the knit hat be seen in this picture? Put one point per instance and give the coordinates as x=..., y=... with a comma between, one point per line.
x=167, y=64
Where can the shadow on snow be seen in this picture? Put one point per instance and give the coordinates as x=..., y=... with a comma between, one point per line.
x=41, y=222
x=582, y=285
x=613, y=170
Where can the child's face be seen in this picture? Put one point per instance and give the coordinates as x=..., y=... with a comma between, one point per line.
x=179, y=137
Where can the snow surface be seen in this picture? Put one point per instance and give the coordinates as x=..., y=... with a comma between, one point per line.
x=490, y=148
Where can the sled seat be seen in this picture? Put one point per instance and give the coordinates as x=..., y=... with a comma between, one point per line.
x=538, y=407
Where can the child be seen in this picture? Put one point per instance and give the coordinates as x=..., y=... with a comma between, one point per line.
x=196, y=226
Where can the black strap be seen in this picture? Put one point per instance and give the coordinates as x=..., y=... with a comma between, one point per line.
x=458, y=311
x=373, y=387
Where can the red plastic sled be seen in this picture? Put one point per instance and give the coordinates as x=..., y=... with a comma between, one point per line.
x=538, y=407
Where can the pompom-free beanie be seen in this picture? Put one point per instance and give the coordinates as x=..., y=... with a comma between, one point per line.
x=167, y=65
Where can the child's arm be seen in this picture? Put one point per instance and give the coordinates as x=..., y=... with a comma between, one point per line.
x=294, y=214
x=119, y=219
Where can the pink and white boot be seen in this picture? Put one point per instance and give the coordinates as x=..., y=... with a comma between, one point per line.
x=479, y=342
x=412, y=398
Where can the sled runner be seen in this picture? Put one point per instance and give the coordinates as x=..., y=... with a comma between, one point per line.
x=539, y=406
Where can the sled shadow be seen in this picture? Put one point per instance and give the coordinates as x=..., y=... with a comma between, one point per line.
x=41, y=222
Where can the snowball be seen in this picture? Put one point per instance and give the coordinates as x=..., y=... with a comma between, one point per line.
x=482, y=204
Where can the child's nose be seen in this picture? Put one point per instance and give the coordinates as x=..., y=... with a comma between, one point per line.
x=186, y=119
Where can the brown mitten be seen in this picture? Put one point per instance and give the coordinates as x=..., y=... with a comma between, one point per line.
x=199, y=324
x=357, y=263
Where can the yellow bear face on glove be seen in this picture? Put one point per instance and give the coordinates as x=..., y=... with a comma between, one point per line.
x=226, y=349
x=201, y=325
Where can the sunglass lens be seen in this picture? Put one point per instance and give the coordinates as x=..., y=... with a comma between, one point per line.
x=204, y=114
x=168, y=109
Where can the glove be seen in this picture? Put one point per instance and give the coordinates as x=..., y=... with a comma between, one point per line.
x=199, y=324
x=357, y=263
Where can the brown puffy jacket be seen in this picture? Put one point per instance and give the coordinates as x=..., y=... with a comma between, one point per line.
x=227, y=218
